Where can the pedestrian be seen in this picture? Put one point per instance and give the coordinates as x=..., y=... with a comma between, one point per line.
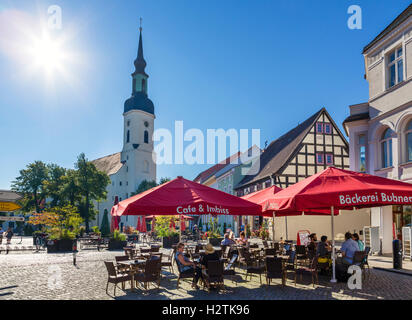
x=1, y=234
x=9, y=235
x=355, y=237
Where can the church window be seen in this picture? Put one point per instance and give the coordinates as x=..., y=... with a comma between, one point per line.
x=128, y=136
x=146, y=136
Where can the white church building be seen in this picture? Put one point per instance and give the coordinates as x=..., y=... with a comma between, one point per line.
x=128, y=168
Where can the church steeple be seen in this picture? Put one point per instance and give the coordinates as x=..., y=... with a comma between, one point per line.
x=140, y=63
x=139, y=99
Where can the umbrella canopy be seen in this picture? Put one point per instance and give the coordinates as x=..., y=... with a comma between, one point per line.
x=342, y=189
x=143, y=226
x=182, y=196
x=182, y=225
x=138, y=224
x=265, y=198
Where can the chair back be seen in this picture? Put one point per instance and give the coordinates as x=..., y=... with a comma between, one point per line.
x=274, y=265
x=121, y=258
x=145, y=250
x=215, y=268
x=265, y=244
x=253, y=245
x=154, y=249
x=358, y=257
x=110, y=268
x=300, y=249
x=155, y=255
x=314, y=264
x=152, y=268
x=276, y=246
x=270, y=252
x=292, y=256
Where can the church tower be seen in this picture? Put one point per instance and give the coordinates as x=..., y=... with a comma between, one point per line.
x=139, y=116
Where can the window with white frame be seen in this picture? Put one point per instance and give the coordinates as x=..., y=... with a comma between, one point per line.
x=408, y=133
x=386, y=148
x=362, y=152
x=395, y=67
x=320, y=158
x=329, y=159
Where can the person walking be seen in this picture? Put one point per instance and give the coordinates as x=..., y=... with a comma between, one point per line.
x=9, y=235
x=1, y=234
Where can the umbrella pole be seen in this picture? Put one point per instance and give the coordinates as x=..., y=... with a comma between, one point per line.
x=180, y=228
x=333, y=280
x=273, y=227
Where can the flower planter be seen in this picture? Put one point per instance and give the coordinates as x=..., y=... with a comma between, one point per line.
x=169, y=241
x=215, y=241
x=63, y=245
x=116, y=245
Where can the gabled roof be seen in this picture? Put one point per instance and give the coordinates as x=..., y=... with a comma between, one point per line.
x=280, y=151
x=204, y=175
x=110, y=164
x=393, y=25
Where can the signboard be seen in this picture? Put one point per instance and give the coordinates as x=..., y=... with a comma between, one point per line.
x=9, y=206
x=9, y=196
x=11, y=218
x=303, y=237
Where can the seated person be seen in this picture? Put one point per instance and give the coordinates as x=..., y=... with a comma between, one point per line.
x=312, y=245
x=242, y=240
x=210, y=255
x=186, y=266
x=324, y=247
x=348, y=249
x=227, y=241
x=361, y=246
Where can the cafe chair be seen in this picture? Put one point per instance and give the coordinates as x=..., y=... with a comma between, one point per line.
x=275, y=270
x=213, y=275
x=115, y=276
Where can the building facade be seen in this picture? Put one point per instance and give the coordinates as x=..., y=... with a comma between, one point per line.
x=128, y=168
x=380, y=130
x=309, y=148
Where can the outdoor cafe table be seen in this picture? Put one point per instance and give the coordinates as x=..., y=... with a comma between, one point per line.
x=133, y=264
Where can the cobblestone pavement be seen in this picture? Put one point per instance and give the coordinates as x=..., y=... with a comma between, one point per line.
x=53, y=276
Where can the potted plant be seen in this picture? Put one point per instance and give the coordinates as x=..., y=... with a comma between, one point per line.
x=117, y=240
x=96, y=232
x=169, y=235
x=61, y=224
x=214, y=235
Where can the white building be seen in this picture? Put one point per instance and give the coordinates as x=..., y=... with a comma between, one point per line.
x=128, y=168
x=380, y=130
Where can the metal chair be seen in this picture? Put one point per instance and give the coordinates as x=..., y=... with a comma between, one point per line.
x=312, y=270
x=275, y=270
x=213, y=275
x=151, y=273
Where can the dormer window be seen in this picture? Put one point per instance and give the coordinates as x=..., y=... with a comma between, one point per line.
x=395, y=67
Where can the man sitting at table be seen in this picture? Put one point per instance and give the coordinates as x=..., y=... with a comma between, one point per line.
x=186, y=266
x=227, y=241
x=348, y=249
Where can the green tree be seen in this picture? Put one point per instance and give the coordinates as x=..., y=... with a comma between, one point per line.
x=92, y=185
x=163, y=180
x=30, y=184
x=70, y=188
x=105, y=227
x=144, y=186
x=53, y=185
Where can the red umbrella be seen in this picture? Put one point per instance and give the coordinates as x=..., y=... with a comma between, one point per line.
x=115, y=220
x=143, y=225
x=265, y=198
x=172, y=224
x=342, y=189
x=181, y=196
x=182, y=225
x=138, y=224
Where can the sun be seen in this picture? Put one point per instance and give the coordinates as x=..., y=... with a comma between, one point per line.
x=48, y=55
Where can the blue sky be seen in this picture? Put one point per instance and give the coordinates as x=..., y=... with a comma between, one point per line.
x=213, y=64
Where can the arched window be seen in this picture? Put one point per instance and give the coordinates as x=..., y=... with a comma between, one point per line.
x=146, y=166
x=386, y=148
x=146, y=136
x=128, y=136
x=409, y=141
